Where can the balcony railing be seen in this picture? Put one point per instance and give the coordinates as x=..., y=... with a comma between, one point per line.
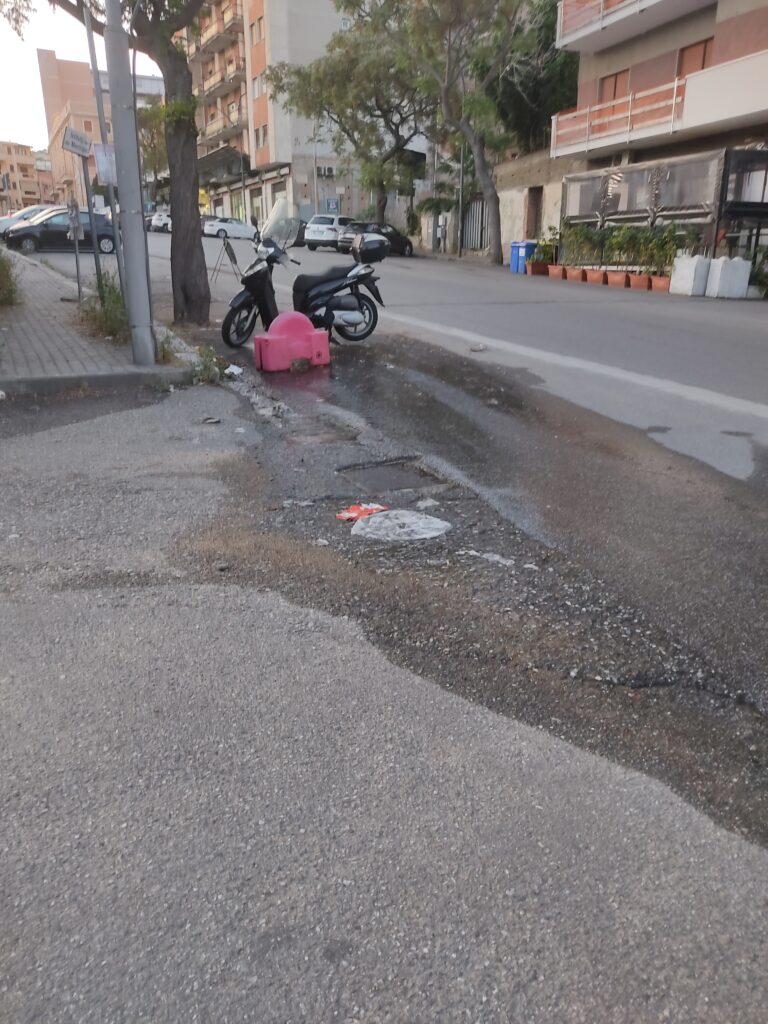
x=233, y=15
x=718, y=98
x=589, y=25
x=640, y=114
x=221, y=82
x=221, y=128
x=216, y=36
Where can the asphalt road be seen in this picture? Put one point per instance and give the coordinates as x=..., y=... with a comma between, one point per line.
x=692, y=373
x=221, y=806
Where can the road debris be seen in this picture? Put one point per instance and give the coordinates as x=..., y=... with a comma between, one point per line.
x=233, y=372
x=400, y=525
x=487, y=556
x=354, y=512
x=478, y=348
x=211, y=420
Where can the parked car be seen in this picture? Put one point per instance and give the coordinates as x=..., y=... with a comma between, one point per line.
x=22, y=215
x=161, y=222
x=204, y=218
x=228, y=227
x=49, y=231
x=324, y=229
x=399, y=244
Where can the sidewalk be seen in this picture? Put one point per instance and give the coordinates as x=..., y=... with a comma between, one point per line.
x=42, y=350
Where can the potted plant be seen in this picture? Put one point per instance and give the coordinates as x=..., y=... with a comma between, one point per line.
x=543, y=256
x=620, y=250
x=663, y=252
x=579, y=244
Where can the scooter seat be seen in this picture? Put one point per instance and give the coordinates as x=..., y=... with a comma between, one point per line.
x=304, y=282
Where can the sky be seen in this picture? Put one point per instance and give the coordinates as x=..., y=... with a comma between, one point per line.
x=22, y=116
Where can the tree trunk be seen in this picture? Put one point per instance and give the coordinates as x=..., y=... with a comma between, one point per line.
x=381, y=202
x=189, y=274
x=491, y=196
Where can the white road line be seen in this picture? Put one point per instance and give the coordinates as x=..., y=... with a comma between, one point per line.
x=728, y=403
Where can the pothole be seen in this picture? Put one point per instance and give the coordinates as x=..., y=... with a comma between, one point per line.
x=391, y=475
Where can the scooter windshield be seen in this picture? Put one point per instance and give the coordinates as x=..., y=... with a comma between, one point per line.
x=282, y=225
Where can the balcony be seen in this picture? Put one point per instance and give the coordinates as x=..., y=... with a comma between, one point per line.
x=222, y=82
x=222, y=128
x=592, y=25
x=722, y=97
x=233, y=16
x=216, y=36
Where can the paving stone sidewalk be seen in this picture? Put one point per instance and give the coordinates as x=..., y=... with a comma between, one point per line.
x=43, y=351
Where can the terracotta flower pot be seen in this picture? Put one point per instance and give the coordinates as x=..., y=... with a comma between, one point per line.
x=536, y=268
x=640, y=281
x=575, y=274
x=556, y=271
x=618, y=279
x=660, y=284
x=596, y=277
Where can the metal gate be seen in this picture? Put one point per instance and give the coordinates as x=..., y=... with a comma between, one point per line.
x=475, y=233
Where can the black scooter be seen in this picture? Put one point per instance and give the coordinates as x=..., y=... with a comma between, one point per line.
x=332, y=300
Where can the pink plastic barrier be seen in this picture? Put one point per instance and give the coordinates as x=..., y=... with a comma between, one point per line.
x=290, y=337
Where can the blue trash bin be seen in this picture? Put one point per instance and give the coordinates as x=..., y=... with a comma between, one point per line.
x=527, y=249
x=514, y=257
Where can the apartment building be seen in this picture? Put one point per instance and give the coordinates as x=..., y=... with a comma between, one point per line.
x=673, y=105
x=251, y=150
x=24, y=180
x=664, y=77
x=70, y=101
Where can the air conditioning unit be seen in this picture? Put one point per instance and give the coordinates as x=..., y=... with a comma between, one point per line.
x=326, y=172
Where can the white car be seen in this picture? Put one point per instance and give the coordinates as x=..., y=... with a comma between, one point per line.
x=161, y=222
x=228, y=227
x=324, y=229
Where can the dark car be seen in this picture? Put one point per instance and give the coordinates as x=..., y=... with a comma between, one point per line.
x=399, y=244
x=49, y=231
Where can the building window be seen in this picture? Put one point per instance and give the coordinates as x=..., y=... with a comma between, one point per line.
x=257, y=83
x=265, y=136
x=255, y=32
x=260, y=28
x=694, y=58
x=87, y=126
x=108, y=126
x=613, y=87
x=346, y=24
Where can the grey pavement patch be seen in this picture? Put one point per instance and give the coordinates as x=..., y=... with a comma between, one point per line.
x=221, y=806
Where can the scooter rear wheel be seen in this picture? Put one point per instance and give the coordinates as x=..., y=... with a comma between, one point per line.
x=366, y=329
x=238, y=325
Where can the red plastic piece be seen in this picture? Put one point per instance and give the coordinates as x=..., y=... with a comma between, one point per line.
x=290, y=337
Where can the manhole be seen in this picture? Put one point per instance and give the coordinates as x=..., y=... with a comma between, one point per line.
x=394, y=475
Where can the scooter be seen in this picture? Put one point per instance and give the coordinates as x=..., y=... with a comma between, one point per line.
x=332, y=301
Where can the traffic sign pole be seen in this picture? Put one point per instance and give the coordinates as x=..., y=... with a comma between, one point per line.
x=94, y=237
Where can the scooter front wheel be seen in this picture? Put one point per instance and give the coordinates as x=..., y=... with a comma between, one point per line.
x=238, y=325
x=365, y=329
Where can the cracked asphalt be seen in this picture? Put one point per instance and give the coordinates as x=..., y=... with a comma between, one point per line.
x=222, y=802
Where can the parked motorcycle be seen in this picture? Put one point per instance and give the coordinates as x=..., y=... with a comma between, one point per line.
x=333, y=300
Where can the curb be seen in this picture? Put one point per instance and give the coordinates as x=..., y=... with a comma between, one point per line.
x=153, y=377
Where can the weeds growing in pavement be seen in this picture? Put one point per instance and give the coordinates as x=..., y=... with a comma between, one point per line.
x=9, y=288
x=208, y=370
x=107, y=318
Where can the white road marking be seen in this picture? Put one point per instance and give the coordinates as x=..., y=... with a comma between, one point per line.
x=728, y=403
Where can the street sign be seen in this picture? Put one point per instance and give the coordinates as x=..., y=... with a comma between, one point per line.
x=76, y=142
x=332, y=206
x=106, y=170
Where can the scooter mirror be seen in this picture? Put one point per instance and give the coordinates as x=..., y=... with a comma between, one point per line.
x=255, y=221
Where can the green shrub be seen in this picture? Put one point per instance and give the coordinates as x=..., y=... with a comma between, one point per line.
x=107, y=317
x=9, y=288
